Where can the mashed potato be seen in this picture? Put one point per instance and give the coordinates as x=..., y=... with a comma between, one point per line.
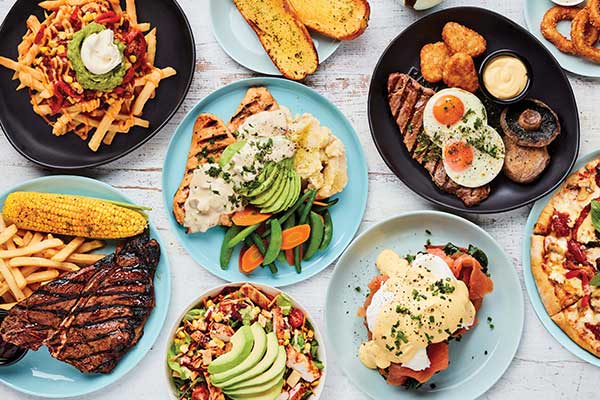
x=320, y=156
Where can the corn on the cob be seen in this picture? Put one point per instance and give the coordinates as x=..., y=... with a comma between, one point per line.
x=72, y=215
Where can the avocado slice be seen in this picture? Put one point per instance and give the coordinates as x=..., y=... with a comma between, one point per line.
x=254, y=390
x=272, y=191
x=266, y=177
x=262, y=366
x=275, y=370
x=242, y=342
x=282, y=195
x=257, y=353
x=230, y=151
x=272, y=394
x=295, y=193
x=277, y=205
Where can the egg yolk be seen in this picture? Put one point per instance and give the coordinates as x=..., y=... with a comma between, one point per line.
x=458, y=155
x=448, y=110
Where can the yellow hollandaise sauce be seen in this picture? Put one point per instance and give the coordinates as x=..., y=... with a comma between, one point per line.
x=421, y=303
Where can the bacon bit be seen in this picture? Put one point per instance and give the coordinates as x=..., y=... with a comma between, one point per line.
x=40, y=35
x=595, y=329
x=559, y=223
x=74, y=19
x=109, y=17
x=576, y=251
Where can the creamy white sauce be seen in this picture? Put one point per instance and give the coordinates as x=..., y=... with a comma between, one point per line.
x=99, y=53
x=211, y=195
x=209, y=198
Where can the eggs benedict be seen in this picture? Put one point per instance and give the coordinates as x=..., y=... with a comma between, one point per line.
x=416, y=306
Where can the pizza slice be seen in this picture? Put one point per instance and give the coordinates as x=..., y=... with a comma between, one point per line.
x=581, y=321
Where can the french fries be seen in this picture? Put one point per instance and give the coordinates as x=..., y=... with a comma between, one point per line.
x=43, y=67
x=30, y=259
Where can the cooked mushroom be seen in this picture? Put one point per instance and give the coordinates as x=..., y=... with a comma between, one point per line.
x=531, y=123
x=523, y=164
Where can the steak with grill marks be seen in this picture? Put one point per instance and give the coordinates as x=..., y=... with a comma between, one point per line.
x=90, y=318
x=407, y=99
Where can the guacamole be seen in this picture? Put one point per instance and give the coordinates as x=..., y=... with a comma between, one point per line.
x=104, y=82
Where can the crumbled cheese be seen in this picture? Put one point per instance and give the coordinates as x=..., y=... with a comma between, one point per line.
x=557, y=276
x=294, y=378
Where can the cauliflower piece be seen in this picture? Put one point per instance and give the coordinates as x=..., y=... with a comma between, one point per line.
x=321, y=156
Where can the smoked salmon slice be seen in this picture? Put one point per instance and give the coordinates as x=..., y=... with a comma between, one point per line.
x=438, y=356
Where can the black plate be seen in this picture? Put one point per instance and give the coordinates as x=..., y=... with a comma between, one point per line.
x=32, y=137
x=549, y=84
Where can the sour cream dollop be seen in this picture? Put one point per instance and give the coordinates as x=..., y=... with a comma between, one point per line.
x=99, y=53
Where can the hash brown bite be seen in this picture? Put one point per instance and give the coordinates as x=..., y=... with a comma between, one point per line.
x=285, y=39
x=461, y=39
x=460, y=72
x=433, y=58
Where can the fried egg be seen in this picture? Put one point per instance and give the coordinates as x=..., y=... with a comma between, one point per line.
x=450, y=112
x=474, y=159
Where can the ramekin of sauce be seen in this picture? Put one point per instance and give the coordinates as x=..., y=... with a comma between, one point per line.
x=505, y=76
x=9, y=353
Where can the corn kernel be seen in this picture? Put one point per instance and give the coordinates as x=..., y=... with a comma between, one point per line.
x=68, y=78
x=44, y=49
x=287, y=334
x=60, y=49
x=286, y=342
x=310, y=333
x=217, y=317
x=315, y=383
x=132, y=58
x=209, y=303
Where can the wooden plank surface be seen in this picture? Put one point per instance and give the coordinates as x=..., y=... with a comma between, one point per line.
x=541, y=368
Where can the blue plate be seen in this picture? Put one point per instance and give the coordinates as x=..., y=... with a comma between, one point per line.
x=346, y=215
x=478, y=360
x=532, y=291
x=240, y=42
x=534, y=13
x=41, y=375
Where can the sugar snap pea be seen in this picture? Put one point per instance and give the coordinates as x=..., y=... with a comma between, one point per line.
x=306, y=210
x=327, y=231
x=288, y=214
x=243, y=234
x=316, y=235
x=274, y=243
x=227, y=251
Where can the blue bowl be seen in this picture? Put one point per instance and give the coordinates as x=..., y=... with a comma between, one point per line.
x=38, y=373
x=347, y=214
x=483, y=354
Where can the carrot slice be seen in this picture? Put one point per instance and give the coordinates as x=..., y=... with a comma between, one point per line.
x=249, y=216
x=295, y=236
x=251, y=259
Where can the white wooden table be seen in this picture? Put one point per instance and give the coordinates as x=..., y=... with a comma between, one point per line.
x=542, y=369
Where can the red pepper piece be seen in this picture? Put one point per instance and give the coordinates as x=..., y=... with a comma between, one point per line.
x=39, y=35
x=585, y=301
x=109, y=17
x=559, y=223
x=576, y=251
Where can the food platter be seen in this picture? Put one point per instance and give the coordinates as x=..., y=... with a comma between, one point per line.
x=478, y=360
x=534, y=12
x=548, y=83
x=534, y=296
x=239, y=41
x=38, y=373
x=271, y=291
x=33, y=138
x=205, y=247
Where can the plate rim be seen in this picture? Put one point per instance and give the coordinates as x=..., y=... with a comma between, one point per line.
x=438, y=214
x=246, y=83
x=532, y=292
x=167, y=278
x=217, y=35
x=442, y=203
x=264, y=287
x=527, y=17
x=145, y=139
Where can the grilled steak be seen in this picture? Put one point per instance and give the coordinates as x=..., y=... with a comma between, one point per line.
x=90, y=318
x=407, y=99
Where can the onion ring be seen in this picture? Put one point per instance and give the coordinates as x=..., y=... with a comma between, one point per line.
x=578, y=36
x=594, y=7
x=550, y=21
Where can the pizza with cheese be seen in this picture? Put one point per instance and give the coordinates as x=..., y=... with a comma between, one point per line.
x=565, y=255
